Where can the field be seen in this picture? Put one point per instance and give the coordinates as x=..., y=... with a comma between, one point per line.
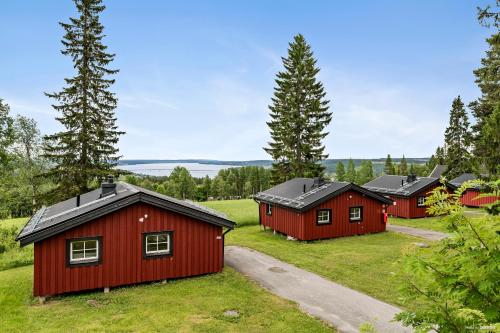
x=186, y=305
x=16, y=256
x=243, y=212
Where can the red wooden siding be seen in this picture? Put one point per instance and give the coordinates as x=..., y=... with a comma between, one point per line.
x=196, y=250
x=303, y=225
x=468, y=199
x=407, y=207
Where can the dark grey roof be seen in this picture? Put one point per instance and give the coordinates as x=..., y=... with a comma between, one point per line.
x=291, y=193
x=397, y=185
x=438, y=171
x=465, y=177
x=65, y=215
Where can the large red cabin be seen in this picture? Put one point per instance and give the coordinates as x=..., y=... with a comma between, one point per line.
x=122, y=234
x=408, y=193
x=309, y=209
x=470, y=195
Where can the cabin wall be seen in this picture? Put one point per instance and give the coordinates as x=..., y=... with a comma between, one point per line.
x=197, y=249
x=303, y=226
x=407, y=207
x=468, y=199
x=373, y=217
x=284, y=220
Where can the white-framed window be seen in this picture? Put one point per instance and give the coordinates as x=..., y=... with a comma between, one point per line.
x=420, y=201
x=323, y=216
x=355, y=214
x=269, y=209
x=83, y=250
x=158, y=243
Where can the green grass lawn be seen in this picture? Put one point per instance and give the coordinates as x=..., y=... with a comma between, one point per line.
x=429, y=223
x=184, y=305
x=15, y=257
x=366, y=263
x=18, y=222
x=243, y=212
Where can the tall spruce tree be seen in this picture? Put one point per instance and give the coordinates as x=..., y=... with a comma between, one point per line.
x=340, y=172
x=458, y=141
x=486, y=108
x=365, y=173
x=389, y=166
x=350, y=175
x=403, y=166
x=299, y=116
x=440, y=155
x=86, y=148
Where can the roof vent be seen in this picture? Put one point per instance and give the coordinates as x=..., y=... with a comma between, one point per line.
x=108, y=188
x=411, y=178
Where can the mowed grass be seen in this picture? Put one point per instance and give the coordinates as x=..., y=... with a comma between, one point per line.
x=428, y=223
x=366, y=263
x=185, y=305
x=243, y=212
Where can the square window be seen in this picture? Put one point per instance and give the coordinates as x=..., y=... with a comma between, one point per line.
x=157, y=244
x=355, y=214
x=323, y=216
x=83, y=251
x=420, y=201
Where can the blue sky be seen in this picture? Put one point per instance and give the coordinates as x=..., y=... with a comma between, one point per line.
x=196, y=77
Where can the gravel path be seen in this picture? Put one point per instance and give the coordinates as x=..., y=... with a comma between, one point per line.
x=427, y=234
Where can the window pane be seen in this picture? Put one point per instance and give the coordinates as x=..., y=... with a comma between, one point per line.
x=78, y=245
x=151, y=248
x=162, y=238
x=77, y=254
x=162, y=247
x=91, y=244
x=91, y=253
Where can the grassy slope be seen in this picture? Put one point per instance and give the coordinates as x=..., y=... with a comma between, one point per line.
x=429, y=223
x=17, y=256
x=365, y=263
x=244, y=212
x=185, y=305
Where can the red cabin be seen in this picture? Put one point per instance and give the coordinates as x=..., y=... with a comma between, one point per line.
x=470, y=196
x=309, y=209
x=121, y=234
x=408, y=193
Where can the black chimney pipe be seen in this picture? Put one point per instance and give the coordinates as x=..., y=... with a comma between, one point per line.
x=78, y=200
x=109, y=187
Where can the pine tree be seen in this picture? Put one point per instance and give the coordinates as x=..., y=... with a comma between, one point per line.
x=365, y=173
x=440, y=155
x=299, y=115
x=412, y=169
x=350, y=175
x=457, y=140
x=486, y=147
x=85, y=149
x=403, y=166
x=340, y=172
x=389, y=167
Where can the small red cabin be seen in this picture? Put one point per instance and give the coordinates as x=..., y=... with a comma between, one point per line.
x=408, y=193
x=470, y=196
x=309, y=209
x=122, y=234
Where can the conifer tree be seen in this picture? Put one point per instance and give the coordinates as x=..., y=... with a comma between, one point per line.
x=412, y=169
x=403, y=166
x=365, y=173
x=299, y=116
x=389, y=167
x=350, y=175
x=86, y=148
x=340, y=172
x=486, y=108
x=440, y=155
x=457, y=140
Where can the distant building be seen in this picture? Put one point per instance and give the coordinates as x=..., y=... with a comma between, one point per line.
x=309, y=209
x=408, y=193
x=122, y=234
x=470, y=196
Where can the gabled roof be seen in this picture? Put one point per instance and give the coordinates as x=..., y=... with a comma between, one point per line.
x=49, y=221
x=458, y=181
x=438, y=171
x=291, y=193
x=397, y=185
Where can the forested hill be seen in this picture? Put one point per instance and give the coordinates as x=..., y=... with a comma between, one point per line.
x=331, y=164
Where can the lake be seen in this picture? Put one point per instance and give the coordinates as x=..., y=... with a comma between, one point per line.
x=165, y=169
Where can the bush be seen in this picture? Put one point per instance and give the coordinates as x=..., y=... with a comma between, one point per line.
x=8, y=238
